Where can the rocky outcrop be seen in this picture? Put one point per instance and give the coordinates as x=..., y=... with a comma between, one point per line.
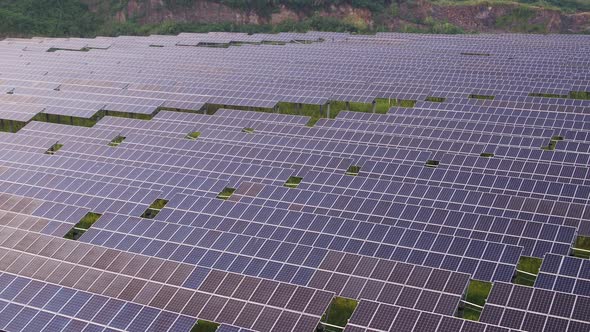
x=156, y=11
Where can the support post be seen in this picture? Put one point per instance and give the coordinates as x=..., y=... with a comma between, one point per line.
x=374, y=106
x=328, y=111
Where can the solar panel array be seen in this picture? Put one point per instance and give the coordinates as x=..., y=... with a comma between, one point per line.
x=397, y=209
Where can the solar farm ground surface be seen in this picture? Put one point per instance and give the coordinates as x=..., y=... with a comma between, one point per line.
x=295, y=182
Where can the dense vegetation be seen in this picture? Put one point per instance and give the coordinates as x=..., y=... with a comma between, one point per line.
x=564, y=5
x=72, y=18
x=267, y=6
x=46, y=17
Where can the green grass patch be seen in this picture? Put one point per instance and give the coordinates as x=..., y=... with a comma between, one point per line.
x=546, y=95
x=54, y=148
x=82, y=226
x=315, y=112
x=552, y=143
x=204, y=326
x=431, y=163
x=248, y=130
x=519, y=20
x=429, y=25
x=383, y=105
x=120, y=114
x=477, y=293
x=581, y=247
x=293, y=182
x=69, y=120
x=193, y=135
x=481, y=97
x=212, y=108
x=353, y=170
x=11, y=126
x=155, y=208
x=180, y=110
x=530, y=265
x=549, y=147
x=226, y=193
x=435, y=99
x=580, y=95
x=312, y=121
x=486, y=155
x=339, y=312
x=337, y=106
x=583, y=95
x=117, y=140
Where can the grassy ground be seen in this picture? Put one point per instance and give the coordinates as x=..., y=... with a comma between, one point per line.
x=339, y=313
x=117, y=140
x=550, y=147
x=11, y=126
x=204, y=326
x=546, y=95
x=530, y=265
x=482, y=97
x=435, y=99
x=193, y=135
x=383, y=105
x=226, y=193
x=519, y=20
x=431, y=163
x=312, y=111
x=80, y=228
x=54, y=148
x=583, y=95
x=293, y=182
x=580, y=95
x=153, y=210
x=316, y=113
x=477, y=293
x=582, y=242
x=563, y=5
x=353, y=170
x=552, y=143
x=68, y=120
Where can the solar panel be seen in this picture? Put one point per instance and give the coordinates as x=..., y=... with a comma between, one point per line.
x=154, y=183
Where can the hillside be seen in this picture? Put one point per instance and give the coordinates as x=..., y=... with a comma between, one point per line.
x=114, y=17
